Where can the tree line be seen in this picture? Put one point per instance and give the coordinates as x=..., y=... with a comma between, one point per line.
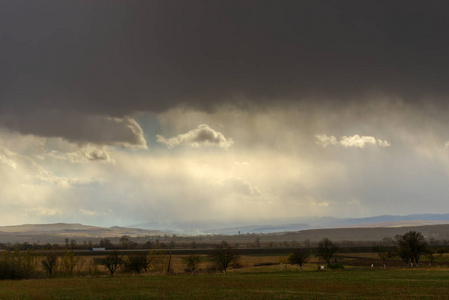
x=56, y=263
x=410, y=248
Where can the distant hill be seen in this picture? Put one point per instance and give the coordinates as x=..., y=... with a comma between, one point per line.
x=436, y=232
x=56, y=233
x=393, y=218
x=311, y=228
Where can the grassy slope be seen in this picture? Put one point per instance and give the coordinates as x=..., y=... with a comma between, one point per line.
x=306, y=284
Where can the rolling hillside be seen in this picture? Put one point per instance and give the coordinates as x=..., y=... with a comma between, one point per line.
x=56, y=233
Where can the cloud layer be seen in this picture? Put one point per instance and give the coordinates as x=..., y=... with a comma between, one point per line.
x=69, y=64
x=33, y=193
x=275, y=168
x=100, y=106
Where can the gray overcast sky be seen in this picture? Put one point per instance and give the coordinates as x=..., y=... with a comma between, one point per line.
x=120, y=112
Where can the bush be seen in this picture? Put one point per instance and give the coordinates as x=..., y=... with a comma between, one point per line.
x=192, y=263
x=158, y=261
x=17, y=265
x=224, y=257
x=299, y=257
x=136, y=262
x=68, y=263
x=336, y=266
x=10, y=270
x=92, y=268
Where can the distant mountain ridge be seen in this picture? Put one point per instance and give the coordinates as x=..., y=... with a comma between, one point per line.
x=259, y=229
x=291, y=224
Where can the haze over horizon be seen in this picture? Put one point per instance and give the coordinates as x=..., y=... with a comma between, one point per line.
x=125, y=112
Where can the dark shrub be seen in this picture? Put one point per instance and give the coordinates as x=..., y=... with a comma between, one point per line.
x=10, y=269
x=336, y=266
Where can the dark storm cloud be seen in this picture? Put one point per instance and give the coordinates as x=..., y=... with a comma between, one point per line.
x=77, y=127
x=118, y=57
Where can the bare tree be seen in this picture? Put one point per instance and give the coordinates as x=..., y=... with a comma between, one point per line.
x=124, y=240
x=112, y=261
x=49, y=262
x=224, y=256
x=105, y=243
x=327, y=249
x=383, y=253
x=299, y=257
x=72, y=244
x=192, y=262
x=169, y=262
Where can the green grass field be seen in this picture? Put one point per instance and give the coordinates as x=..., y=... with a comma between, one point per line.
x=386, y=284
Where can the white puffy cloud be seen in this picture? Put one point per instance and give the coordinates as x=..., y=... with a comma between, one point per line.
x=324, y=140
x=355, y=141
x=83, y=155
x=383, y=143
x=201, y=136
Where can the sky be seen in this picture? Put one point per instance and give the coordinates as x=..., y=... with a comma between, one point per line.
x=126, y=112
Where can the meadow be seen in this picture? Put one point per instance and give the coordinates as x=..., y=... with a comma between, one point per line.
x=268, y=284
